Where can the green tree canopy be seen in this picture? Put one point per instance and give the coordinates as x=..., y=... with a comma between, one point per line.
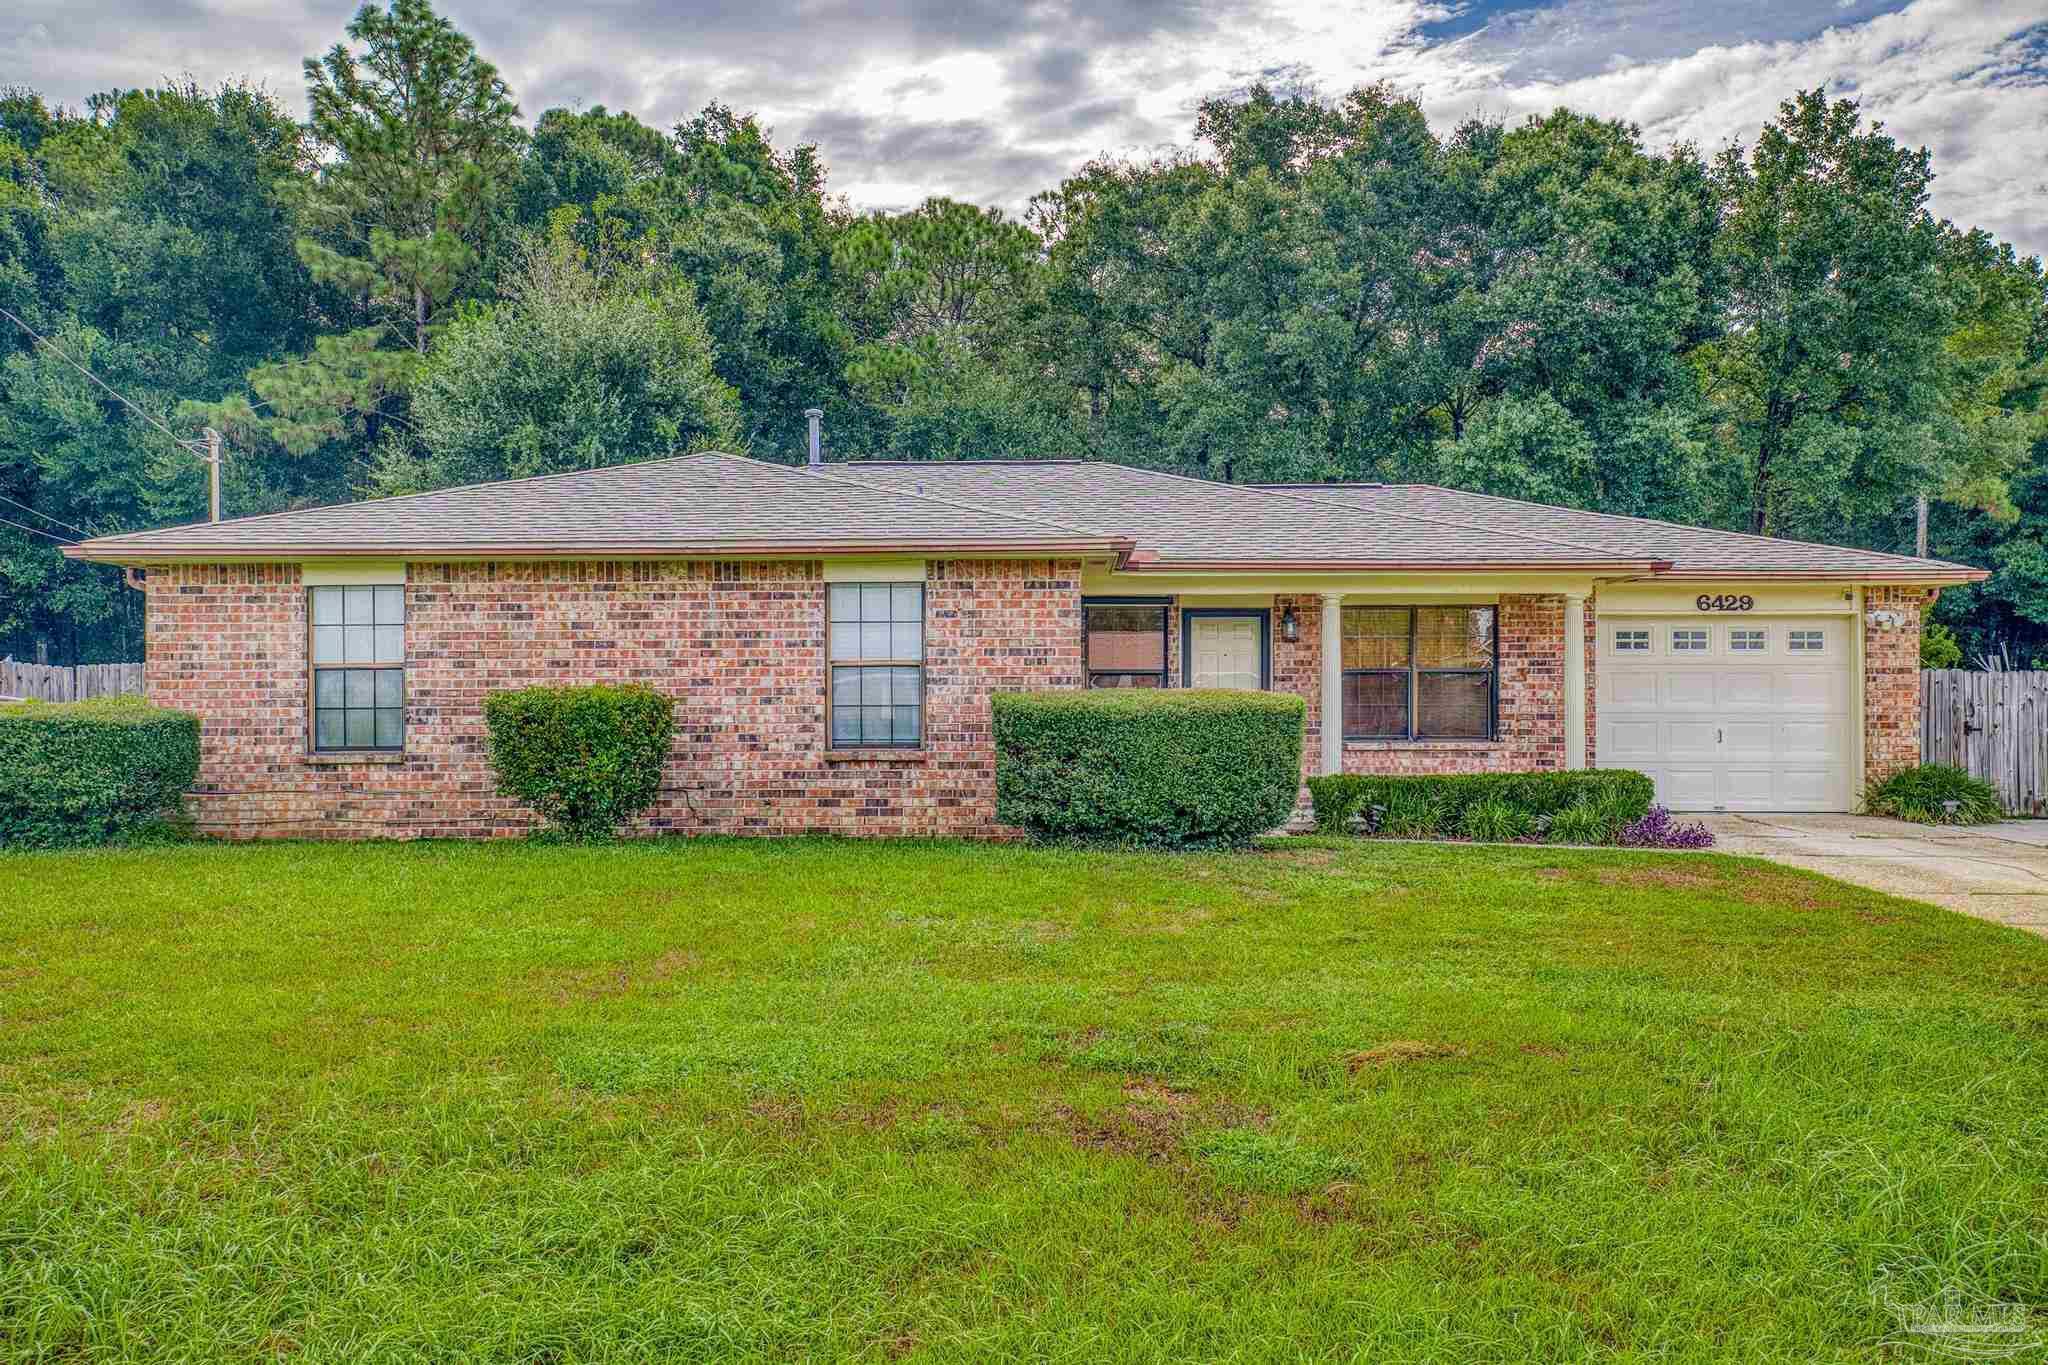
x=569, y=371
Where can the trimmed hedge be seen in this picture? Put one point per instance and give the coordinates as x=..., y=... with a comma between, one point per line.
x=588, y=759
x=84, y=772
x=1167, y=768
x=1444, y=805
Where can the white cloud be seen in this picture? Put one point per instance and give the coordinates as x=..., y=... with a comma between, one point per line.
x=995, y=99
x=1957, y=76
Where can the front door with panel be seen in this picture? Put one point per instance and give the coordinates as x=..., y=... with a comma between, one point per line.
x=1729, y=713
x=1225, y=648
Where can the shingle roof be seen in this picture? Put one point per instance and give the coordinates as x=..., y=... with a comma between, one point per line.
x=714, y=505
x=1194, y=523
x=704, y=504
x=1691, y=549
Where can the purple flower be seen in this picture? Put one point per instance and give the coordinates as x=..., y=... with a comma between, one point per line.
x=1658, y=830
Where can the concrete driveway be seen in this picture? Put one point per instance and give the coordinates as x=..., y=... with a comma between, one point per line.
x=1995, y=872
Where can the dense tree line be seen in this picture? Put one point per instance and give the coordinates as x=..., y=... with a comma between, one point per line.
x=412, y=289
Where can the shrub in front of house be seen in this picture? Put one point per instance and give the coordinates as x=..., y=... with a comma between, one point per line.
x=587, y=759
x=1923, y=795
x=1593, y=804
x=1169, y=768
x=84, y=772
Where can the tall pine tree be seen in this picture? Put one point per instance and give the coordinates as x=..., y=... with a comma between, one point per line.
x=417, y=141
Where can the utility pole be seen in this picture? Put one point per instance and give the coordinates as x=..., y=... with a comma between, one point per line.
x=213, y=485
x=1920, y=525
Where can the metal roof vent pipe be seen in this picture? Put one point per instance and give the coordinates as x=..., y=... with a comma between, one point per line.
x=815, y=416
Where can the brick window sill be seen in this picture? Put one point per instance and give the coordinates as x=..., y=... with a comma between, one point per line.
x=336, y=760
x=1374, y=746
x=877, y=756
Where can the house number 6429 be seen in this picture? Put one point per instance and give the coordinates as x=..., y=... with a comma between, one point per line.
x=1718, y=602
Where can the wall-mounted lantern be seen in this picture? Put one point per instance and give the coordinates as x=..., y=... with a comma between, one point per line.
x=1290, y=624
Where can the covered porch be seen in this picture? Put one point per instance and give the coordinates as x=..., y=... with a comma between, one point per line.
x=1401, y=672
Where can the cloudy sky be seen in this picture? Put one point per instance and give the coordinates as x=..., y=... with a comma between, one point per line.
x=992, y=100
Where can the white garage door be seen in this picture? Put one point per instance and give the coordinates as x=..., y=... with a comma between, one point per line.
x=1728, y=713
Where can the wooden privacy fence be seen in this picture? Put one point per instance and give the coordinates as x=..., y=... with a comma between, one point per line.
x=1995, y=725
x=55, y=682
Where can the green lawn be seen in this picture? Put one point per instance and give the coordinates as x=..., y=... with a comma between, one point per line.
x=715, y=1099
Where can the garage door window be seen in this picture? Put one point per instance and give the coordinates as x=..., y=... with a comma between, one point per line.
x=1419, y=672
x=1688, y=642
x=1746, y=641
x=1631, y=642
x=1806, y=641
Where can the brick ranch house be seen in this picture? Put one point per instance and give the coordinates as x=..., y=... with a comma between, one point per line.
x=831, y=636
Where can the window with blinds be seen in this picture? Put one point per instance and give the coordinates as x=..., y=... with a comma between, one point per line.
x=1420, y=672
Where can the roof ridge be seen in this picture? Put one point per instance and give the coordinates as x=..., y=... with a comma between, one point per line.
x=424, y=493
x=817, y=472
x=1679, y=525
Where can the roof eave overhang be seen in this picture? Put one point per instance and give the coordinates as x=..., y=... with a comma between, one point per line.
x=1925, y=578
x=111, y=552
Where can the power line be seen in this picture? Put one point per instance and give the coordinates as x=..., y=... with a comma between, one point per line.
x=47, y=517
x=183, y=443
x=34, y=531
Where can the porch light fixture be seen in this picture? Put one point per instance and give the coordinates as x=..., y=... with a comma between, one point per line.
x=1290, y=625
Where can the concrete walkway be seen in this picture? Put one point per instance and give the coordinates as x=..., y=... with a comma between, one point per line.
x=1995, y=872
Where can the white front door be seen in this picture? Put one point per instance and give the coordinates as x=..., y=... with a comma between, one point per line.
x=1729, y=712
x=1224, y=652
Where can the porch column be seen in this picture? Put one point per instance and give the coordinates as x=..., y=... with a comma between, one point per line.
x=1574, y=680
x=1332, y=700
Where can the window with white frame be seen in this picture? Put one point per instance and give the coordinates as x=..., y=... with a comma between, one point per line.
x=1746, y=641
x=1631, y=642
x=1688, y=641
x=875, y=652
x=1806, y=641
x=358, y=667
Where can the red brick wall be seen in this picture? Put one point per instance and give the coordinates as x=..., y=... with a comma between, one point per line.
x=1891, y=681
x=740, y=646
x=1298, y=668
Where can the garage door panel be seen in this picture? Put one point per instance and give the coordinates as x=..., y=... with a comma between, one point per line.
x=1749, y=740
x=1689, y=788
x=1748, y=787
x=1632, y=739
x=1688, y=739
x=1805, y=787
x=1724, y=729
x=1692, y=690
x=1747, y=688
x=1811, y=741
x=1811, y=691
x=1629, y=689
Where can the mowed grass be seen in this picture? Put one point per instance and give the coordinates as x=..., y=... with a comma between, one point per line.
x=778, y=1100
